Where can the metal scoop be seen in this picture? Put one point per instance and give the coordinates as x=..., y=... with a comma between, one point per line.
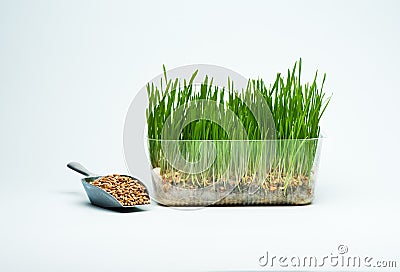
x=98, y=196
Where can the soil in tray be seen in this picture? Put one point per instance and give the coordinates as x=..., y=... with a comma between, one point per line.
x=277, y=189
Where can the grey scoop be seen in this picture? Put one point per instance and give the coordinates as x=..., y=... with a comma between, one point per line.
x=96, y=195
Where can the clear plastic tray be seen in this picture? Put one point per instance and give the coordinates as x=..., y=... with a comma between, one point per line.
x=234, y=172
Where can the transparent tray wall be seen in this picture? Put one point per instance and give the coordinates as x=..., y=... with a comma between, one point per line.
x=263, y=172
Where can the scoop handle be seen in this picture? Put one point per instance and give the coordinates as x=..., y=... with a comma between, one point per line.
x=77, y=167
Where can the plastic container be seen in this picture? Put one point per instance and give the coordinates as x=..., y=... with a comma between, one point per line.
x=234, y=172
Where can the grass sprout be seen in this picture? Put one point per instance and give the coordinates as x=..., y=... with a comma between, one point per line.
x=296, y=109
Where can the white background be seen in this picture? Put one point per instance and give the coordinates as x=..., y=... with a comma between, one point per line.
x=69, y=69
